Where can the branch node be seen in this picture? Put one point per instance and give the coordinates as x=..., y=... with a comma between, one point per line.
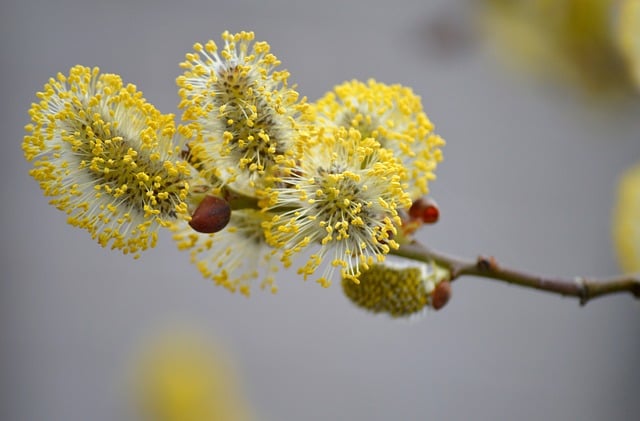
x=583, y=290
x=487, y=264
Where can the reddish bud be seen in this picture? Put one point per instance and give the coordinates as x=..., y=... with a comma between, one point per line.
x=425, y=210
x=211, y=215
x=441, y=295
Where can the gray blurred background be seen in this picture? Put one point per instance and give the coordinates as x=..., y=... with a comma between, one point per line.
x=529, y=176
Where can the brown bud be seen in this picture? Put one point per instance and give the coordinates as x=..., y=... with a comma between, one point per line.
x=441, y=295
x=487, y=264
x=211, y=215
x=425, y=210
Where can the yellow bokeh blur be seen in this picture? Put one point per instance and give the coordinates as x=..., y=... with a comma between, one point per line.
x=626, y=220
x=575, y=41
x=182, y=376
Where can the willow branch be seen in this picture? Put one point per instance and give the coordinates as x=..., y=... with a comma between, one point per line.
x=583, y=288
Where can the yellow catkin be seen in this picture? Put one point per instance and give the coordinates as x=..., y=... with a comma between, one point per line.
x=241, y=111
x=342, y=201
x=232, y=258
x=106, y=158
x=390, y=114
x=395, y=290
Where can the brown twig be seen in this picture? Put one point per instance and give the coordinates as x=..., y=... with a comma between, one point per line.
x=487, y=267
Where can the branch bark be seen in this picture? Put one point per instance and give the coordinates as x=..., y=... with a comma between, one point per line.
x=583, y=288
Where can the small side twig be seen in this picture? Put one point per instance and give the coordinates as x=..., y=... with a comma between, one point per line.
x=583, y=288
